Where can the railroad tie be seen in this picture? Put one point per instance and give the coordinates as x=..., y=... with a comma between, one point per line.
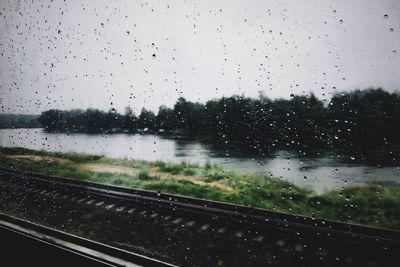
x=190, y=224
x=90, y=201
x=221, y=230
x=81, y=200
x=205, y=227
x=30, y=189
x=120, y=209
x=176, y=221
x=143, y=213
x=259, y=238
x=239, y=234
x=98, y=204
x=131, y=211
x=110, y=206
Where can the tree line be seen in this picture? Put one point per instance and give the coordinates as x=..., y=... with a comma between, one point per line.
x=363, y=122
x=8, y=121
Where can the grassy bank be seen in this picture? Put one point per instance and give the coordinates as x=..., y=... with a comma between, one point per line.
x=371, y=204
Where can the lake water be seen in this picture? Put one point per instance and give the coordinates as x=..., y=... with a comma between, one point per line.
x=319, y=174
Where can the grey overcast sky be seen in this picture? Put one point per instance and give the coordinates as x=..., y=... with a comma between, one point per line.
x=104, y=54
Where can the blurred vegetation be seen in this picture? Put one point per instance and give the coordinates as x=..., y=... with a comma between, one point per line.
x=371, y=204
x=8, y=121
x=364, y=124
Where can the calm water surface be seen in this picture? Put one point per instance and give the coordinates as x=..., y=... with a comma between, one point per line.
x=319, y=174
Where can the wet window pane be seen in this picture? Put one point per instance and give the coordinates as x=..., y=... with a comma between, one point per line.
x=286, y=106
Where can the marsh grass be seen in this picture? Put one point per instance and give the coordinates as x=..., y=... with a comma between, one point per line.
x=371, y=204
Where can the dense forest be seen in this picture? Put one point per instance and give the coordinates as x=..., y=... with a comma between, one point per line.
x=8, y=121
x=364, y=123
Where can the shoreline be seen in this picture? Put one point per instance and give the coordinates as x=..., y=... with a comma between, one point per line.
x=371, y=204
x=344, y=157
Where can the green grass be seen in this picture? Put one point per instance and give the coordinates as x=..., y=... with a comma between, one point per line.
x=144, y=175
x=174, y=168
x=371, y=204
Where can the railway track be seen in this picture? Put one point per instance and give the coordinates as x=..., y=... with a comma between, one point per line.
x=191, y=232
x=38, y=242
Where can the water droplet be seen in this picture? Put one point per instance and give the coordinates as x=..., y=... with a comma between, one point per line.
x=385, y=16
x=391, y=29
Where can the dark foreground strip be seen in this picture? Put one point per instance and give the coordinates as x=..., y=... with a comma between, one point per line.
x=376, y=245
x=54, y=247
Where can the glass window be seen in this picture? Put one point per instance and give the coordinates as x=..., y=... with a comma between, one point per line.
x=286, y=106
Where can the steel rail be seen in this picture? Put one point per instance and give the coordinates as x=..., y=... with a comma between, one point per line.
x=88, y=251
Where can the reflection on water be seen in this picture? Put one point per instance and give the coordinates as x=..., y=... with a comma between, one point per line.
x=320, y=174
